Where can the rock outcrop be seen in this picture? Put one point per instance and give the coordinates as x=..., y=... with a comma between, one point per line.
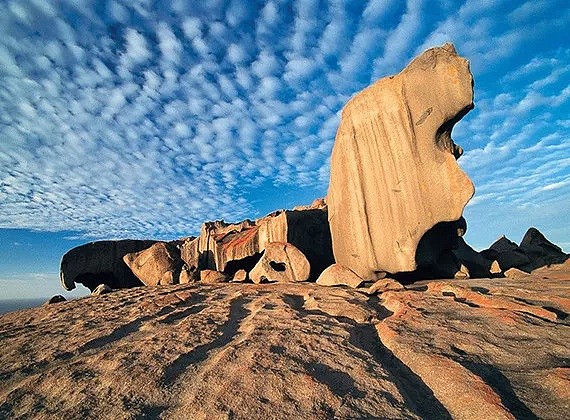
x=535, y=251
x=100, y=262
x=394, y=174
x=158, y=264
x=281, y=262
x=483, y=348
x=231, y=247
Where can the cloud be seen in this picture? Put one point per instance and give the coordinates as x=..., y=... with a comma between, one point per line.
x=144, y=119
x=136, y=50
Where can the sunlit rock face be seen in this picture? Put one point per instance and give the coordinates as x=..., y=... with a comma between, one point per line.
x=394, y=173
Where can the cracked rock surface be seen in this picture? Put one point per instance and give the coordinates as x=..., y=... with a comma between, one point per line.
x=486, y=348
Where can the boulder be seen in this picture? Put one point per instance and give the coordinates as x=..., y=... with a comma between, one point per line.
x=240, y=276
x=515, y=273
x=187, y=275
x=158, y=264
x=281, y=262
x=212, y=276
x=100, y=262
x=55, y=299
x=232, y=247
x=338, y=275
x=394, y=174
x=101, y=290
x=503, y=244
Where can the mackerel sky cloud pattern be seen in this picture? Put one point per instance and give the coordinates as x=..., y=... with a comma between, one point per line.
x=145, y=118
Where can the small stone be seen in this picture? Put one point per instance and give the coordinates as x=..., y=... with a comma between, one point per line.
x=55, y=299
x=462, y=273
x=515, y=273
x=339, y=275
x=212, y=276
x=495, y=267
x=101, y=290
x=240, y=275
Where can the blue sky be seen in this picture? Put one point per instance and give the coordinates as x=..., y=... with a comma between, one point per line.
x=144, y=118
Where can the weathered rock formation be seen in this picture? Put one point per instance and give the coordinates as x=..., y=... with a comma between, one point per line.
x=281, y=262
x=100, y=262
x=457, y=349
x=534, y=251
x=231, y=247
x=158, y=264
x=394, y=174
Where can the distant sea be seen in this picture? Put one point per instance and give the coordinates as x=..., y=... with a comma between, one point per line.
x=9, y=305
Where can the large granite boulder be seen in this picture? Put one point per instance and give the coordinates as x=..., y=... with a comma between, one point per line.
x=231, y=247
x=158, y=264
x=394, y=174
x=101, y=262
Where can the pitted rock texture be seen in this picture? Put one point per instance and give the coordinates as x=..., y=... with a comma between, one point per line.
x=394, y=174
x=481, y=348
x=100, y=262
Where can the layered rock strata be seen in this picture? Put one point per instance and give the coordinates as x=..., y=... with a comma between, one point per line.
x=394, y=174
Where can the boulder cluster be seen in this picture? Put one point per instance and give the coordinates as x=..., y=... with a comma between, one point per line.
x=393, y=210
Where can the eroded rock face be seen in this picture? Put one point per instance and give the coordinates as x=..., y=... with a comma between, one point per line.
x=232, y=247
x=100, y=262
x=281, y=262
x=158, y=264
x=394, y=173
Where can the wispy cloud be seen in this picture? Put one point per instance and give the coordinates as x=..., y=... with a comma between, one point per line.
x=146, y=118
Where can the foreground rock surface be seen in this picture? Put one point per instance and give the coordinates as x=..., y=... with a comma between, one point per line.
x=464, y=349
x=394, y=174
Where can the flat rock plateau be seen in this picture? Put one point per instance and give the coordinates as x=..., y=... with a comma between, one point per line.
x=476, y=348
